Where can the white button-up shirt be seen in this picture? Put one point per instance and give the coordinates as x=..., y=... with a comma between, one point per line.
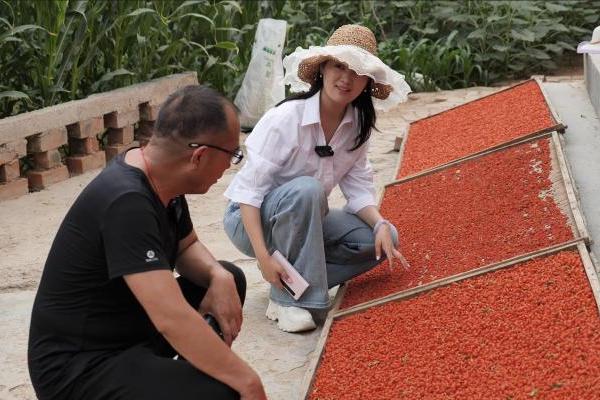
x=281, y=147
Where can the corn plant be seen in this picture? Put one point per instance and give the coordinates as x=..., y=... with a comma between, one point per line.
x=57, y=50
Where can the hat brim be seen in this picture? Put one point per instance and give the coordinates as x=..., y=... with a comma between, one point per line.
x=587, y=47
x=302, y=67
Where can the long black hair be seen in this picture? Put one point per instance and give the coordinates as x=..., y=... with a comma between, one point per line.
x=363, y=103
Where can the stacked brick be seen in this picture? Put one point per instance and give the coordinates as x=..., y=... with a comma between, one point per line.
x=120, y=133
x=148, y=115
x=48, y=166
x=84, y=145
x=12, y=185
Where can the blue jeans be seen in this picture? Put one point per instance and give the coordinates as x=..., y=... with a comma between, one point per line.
x=327, y=247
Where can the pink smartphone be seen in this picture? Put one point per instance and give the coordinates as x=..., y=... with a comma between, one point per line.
x=296, y=286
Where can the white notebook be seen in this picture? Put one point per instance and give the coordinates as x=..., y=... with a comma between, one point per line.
x=296, y=285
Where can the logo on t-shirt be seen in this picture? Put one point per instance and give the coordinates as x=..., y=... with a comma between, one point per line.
x=151, y=256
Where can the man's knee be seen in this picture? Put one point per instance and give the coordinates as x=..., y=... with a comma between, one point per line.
x=238, y=276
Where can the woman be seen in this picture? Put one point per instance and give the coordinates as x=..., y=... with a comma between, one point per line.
x=297, y=153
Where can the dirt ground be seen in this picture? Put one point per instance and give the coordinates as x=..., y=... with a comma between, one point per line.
x=29, y=223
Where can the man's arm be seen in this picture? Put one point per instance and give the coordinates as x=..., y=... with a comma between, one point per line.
x=188, y=333
x=195, y=263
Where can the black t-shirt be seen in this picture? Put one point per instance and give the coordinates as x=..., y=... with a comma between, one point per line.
x=84, y=310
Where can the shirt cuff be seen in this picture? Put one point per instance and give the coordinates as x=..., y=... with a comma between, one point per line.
x=355, y=205
x=245, y=197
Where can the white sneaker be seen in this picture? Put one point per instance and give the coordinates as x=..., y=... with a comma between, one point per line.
x=290, y=318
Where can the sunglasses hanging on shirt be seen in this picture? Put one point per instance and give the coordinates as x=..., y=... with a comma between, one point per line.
x=324, y=151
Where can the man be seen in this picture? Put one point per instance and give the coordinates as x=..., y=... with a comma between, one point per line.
x=109, y=316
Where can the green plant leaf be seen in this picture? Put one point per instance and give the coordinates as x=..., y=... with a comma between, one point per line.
x=184, y=5
x=565, y=45
x=459, y=18
x=554, y=7
x=494, y=18
x=558, y=27
x=516, y=66
x=14, y=95
x=5, y=22
x=554, y=48
x=227, y=46
x=501, y=48
x=549, y=64
x=477, y=34
x=524, y=34
x=20, y=29
x=196, y=15
x=425, y=31
x=141, y=11
x=110, y=76
x=232, y=4
x=539, y=54
x=403, y=4
x=578, y=29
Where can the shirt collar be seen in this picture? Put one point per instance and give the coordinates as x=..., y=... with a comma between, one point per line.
x=312, y=113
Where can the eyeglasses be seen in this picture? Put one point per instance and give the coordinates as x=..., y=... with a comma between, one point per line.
x=236, y=155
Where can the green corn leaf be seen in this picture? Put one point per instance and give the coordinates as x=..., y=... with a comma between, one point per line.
x=141, y=11
x=227, y=46
x=196, y=15
x=11, y=39
x=20, y=29
x=110, y=76
x=198, y=45
x=5, y=22
x=184, y=5
x=229, y=65
x=232, y=4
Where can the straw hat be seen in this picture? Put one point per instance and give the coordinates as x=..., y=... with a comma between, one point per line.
x=593, y=46
x=355, y=46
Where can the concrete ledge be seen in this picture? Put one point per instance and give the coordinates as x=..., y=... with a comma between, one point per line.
x=127, y=98
x=591, y=65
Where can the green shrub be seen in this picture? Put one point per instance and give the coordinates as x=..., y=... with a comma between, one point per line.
x=53, y=51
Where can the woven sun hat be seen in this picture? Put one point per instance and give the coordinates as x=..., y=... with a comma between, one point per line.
x=593, y=46
x=355, y=46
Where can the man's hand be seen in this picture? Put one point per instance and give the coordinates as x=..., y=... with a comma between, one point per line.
x=222, y=301
x=385, y=242
x=253, y=389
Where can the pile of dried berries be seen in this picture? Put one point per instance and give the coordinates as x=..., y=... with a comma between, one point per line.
x=475, y=126
x=528, y=331
x=479, y=212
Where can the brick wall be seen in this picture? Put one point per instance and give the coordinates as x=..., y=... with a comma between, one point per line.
x=75, y=137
